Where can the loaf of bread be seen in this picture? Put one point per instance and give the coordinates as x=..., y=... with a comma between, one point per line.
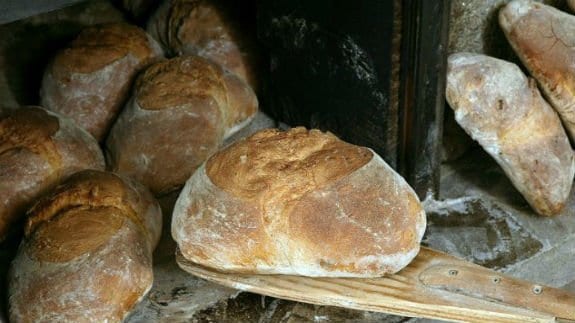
x=502, y=110
x=38, y=148
x=87, y=251
x=181, y=111
x=543, y=38
x=206, y=28
x=90, y=80
x=298, y=202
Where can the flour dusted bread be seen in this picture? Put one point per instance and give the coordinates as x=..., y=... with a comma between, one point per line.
x=206, y=28
x=38, y=148
x=90, y=80
x=87, y=252
x=298, y=202
x=504, y=111
x=543, y=38
x=180, y=113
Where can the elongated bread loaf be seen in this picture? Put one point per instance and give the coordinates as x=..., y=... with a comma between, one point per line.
x=87, y=252
x=298, y=202
x=180, y=113
x=205, y=28
x=38, y=148
x=90, y=80
x=543, y=38
x=500, y=108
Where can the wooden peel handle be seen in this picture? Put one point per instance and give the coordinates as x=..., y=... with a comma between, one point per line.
x=489, y=285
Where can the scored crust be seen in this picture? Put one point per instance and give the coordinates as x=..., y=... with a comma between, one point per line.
x=182, y=81
x=205, y=28
x=92, y=227
x=183, y=108
x=284, y=164
x=92, y=239
x=298, y=202
x=90, y=80
x=92, y=191
x=32, y=129
x=175, y=82
x=99, y=46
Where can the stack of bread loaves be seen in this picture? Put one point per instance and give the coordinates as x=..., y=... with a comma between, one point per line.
x=504, y=111
x=298, y=202
x=88, y=242
x=289, y=202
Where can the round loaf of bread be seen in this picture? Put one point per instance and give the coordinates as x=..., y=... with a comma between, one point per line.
x=38, y=148
x=206, y=28
x=87, y=251
x=181, y=111
x=90, y=80
x=301, y=203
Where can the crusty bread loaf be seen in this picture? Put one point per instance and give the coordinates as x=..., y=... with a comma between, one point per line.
x=87, y=252
x=504, y=111
x=298, y=202
x=38, y=148
x=205, y=28
x=180, y=113
x=90, y=80
x=543, y=38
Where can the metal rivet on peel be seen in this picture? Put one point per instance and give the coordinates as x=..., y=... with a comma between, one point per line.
x=453, y=272
x=537, y=289
x=496, y=280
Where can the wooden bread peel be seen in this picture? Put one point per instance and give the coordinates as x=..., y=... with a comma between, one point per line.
x=434, y=285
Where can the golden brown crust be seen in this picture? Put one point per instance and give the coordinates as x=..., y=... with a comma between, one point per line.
x=292, y=162
x=24, y=175
x=177, y=16
x=350, y=215
x=99, y=46
x=92, y=239
x=182, y=108
x=89, y=190
x=175, y=82
x=90, y=80
x=206, y=28
x=32, y=129
x=243, y=103
x=92, y=227
x=176, y=141
x=37, y=149
x=102, y=285
x=503, y=110
x=298, y=202
x=542, y=37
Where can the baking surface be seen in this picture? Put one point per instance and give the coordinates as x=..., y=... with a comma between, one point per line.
x=434, y=285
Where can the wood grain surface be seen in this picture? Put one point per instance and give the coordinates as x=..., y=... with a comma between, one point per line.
x=435, y=285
